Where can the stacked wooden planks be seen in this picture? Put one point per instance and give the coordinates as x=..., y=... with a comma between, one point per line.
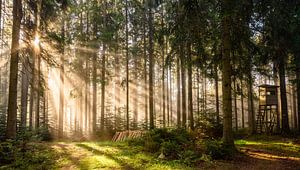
x=122, y=136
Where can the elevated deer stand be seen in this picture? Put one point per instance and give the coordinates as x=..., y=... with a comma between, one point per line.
x=267, y=116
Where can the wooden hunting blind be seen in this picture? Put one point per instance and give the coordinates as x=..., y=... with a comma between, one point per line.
x=267, y=116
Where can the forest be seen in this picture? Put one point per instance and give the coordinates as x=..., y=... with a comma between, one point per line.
x=149, y=84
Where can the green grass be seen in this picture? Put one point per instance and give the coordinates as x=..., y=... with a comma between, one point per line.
x=92, y=155
x=120, y=155
x=276, y=145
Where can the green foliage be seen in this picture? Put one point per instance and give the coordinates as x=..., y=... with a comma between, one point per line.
x=19, y=154
x=174, y=144
x=216, y=149
x=40, y=134
x=207, y=127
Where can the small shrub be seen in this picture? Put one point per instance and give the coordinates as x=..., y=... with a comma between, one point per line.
x=170, y=149
x=216, y=149
x=173, y=143
x=207, y=127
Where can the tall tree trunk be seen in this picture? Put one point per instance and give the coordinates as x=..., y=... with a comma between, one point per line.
x=103, y=82
x=226, y=13
x=190, y=86
x=183, y=90
x=242, y=104
x=62, y=81
x=251, y=115
x=198, y=93
x=163, y=70
x=145, y=67
x=135, y=94
x=170, y=96
x=284, y=108
x=178, y=95
x=235, y=104
x=275, y=77
x=297, y=60
x=24, y=92
x=151, y=64
x=94, y=75
x=217, y=93
x=295, y=106
x=13, y=77
x=163, y=88
x=117, y=87
x=127, y=66
x=36, y=53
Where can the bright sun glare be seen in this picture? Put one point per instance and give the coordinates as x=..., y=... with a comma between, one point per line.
x=36, y=41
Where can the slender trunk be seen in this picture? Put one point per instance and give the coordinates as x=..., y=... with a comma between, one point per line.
x=242, y=105
x=183, y=91
x=163, y=90
x=295, y=106
x=283, y=97
x=217, y=93
x=297, y=60
x=226, y=72
x=103, y=72
x=13, y=77
x=275, y=77
x=117, y=88
x=235, y=104
x=198, y=93
x=170, y=96
x=190, y=88
x=62, y=82
x=251, y=118
x=178, y=95
x=94, y=109
x=127, y=66
x=135, y=94
x=151, y=63
x=145, y=69
x=24, y=92
x=163, y=71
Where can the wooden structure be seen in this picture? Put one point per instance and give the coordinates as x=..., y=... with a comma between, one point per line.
x=125, y=135
x=267, y=116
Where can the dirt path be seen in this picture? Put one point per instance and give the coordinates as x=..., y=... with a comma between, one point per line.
x=253, y=159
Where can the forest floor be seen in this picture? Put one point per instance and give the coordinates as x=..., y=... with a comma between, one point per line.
x=255, y=153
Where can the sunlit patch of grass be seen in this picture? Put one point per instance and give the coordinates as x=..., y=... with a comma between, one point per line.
x=123, y=156
x=280, y=147
x=167, y=165
x=98, y=161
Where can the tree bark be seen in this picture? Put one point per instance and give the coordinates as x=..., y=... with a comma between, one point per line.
x=127, y=66
x=62, y=81
x=297, y=60
x=242, y=105
x=103, y=82
x=145, y=68
x=183, y=90
x=283, y=97
x=251, y=115
x=94, y=75
x=226, y=12
x=151, y=63
x=24, y=92
x=235, y=104
x=178, y=95
x=217, y=93
x=13, y=77
x=190, y=86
